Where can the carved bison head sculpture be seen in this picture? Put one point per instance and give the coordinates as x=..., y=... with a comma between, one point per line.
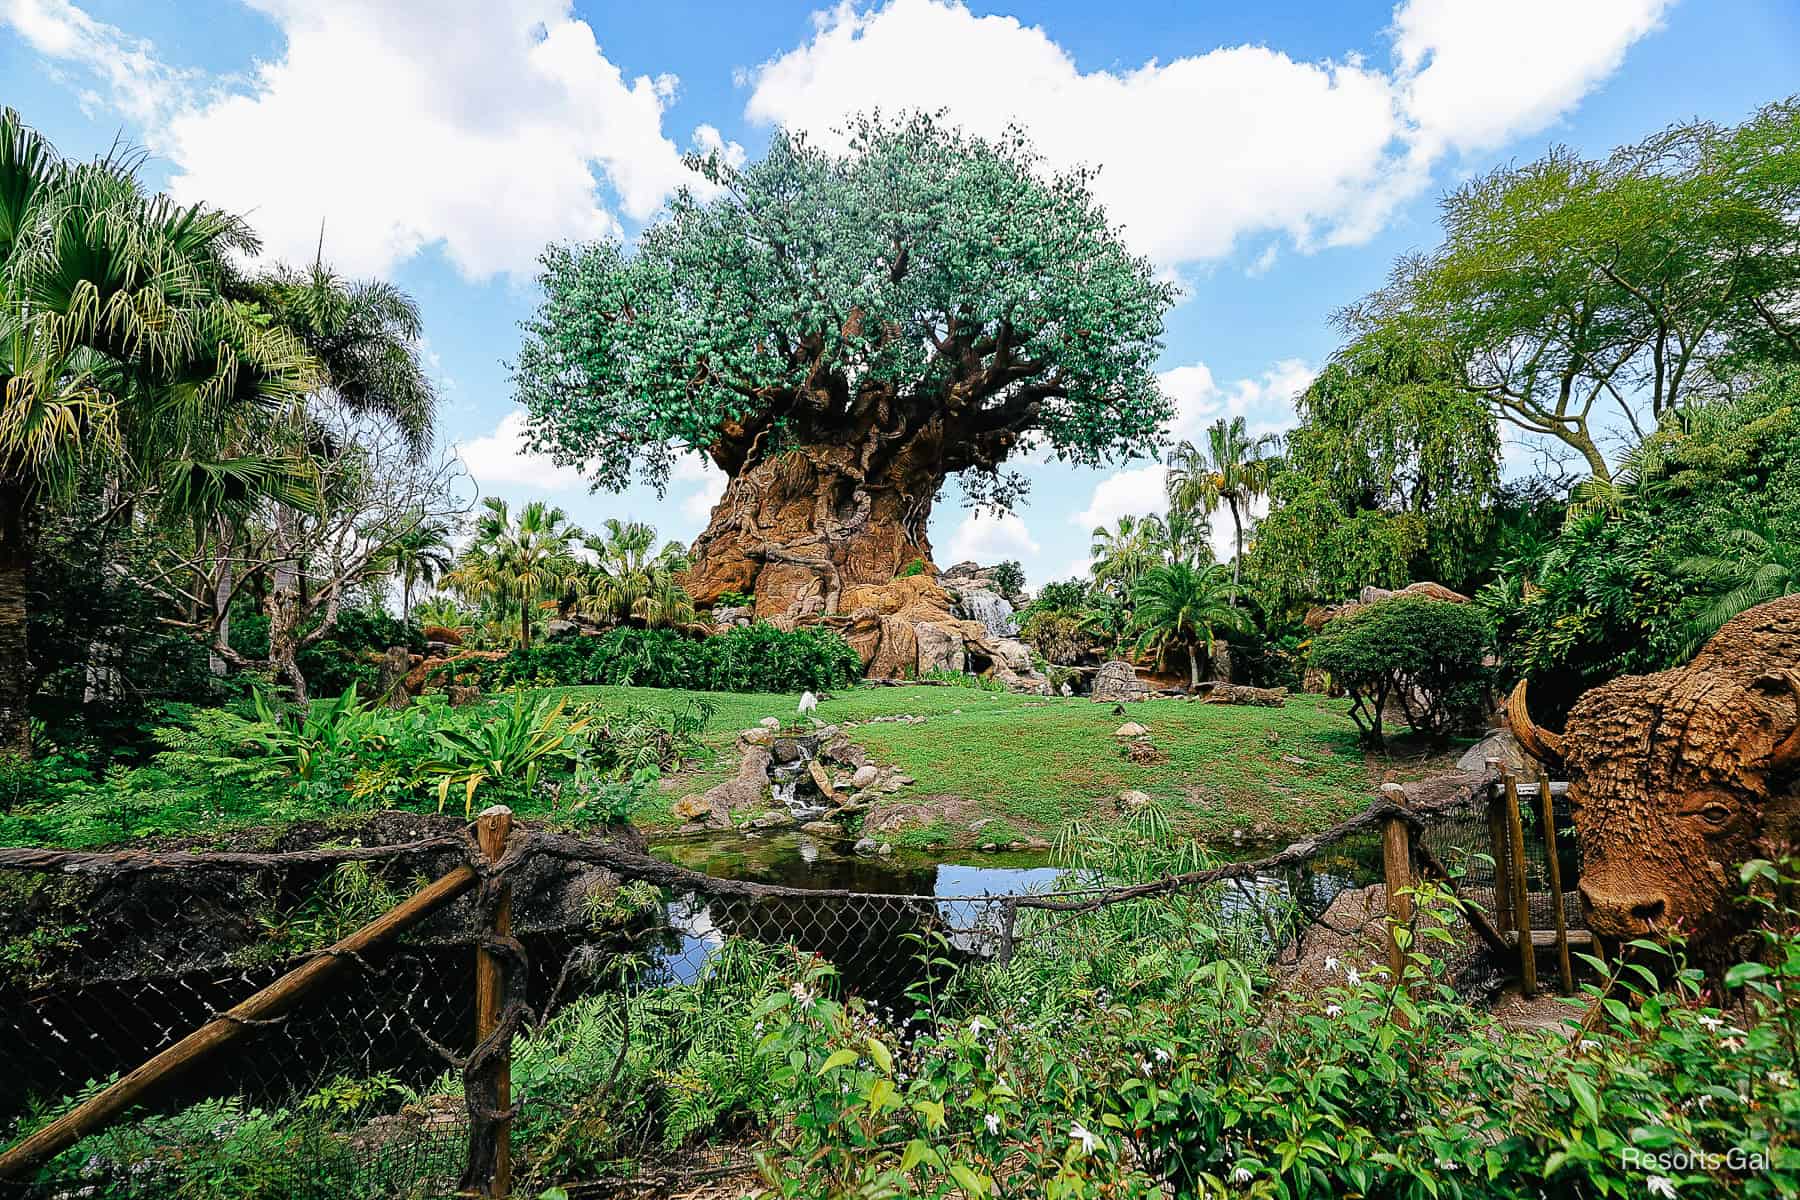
x=1677, y=778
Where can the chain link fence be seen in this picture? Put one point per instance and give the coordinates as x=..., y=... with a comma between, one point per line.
x=619, y=969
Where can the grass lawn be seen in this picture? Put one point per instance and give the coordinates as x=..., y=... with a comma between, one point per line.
x=1037, y=763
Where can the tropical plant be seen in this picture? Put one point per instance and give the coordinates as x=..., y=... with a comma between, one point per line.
x=517, y=563
x=510, y=746
x=1176, y=605
x=1749, y=566
x=442, y=612
x=630, y=579
x=1009, y=577
x=1232, y=469
x=421, y=554
x=120, y=347
x=1132, y=546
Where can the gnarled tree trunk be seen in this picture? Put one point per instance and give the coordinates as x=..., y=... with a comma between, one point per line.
x=799, y=527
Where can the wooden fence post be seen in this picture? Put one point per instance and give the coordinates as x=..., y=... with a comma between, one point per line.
x=1396, y=863
x=1521, y=896
x=1500, y=848
x=267, y=1005
x=1565, y=970
x=492, y=828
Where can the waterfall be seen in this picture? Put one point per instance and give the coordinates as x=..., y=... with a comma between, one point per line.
x=994, y=612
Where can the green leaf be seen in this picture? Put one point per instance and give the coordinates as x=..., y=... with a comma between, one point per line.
x=1583, y=1092
x=967, y=1179
x=838, y=1058
x=1743, y=973
x=882, y=1057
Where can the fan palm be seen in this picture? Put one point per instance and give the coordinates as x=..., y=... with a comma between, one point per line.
x=1232, y=469
x=1124, y=552
x=1178, y=605
x=517, y=563
x=630, y=577
x=120, y=348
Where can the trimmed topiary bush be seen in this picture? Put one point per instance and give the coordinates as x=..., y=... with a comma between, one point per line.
x=1425, y=655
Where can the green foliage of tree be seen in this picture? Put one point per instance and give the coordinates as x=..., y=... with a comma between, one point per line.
x=124, y=342
x=420, y=554
x=1177, y=606
x=1123, y=553
x=1571, y=295
x=1232, y=469
x=520, y=562
x=1641, y=570
x=630, y=578
x=904, y=310
x=1424, y=655
x=1009, y=577
x=1389, y=476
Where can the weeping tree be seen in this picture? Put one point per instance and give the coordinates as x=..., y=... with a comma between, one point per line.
x=841, y=332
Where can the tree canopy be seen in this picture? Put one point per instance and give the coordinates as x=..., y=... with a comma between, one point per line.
x=925, y=293
x=1582, y=299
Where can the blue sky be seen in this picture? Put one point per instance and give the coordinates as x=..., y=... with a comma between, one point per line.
x=1271, y=157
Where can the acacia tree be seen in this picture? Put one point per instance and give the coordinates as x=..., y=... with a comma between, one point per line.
x=1582, y=299
x=840, y=333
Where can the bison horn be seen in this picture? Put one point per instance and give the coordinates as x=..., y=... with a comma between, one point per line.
x=1539, y=742
x=1787, y=751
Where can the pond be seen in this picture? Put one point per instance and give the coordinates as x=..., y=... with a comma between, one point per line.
x=875, y=940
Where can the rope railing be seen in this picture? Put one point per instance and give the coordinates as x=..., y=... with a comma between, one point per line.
x=283, y=923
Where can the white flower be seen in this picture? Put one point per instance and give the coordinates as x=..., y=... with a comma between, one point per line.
x=993, y=1124
x=1660, y=1185
x=1587, y=1045
x=1145, y=1064
x=1330, y=965
x=1240, y=1176
x=1334, y=1010
x=1351, y=975
x=1080, y=1133
x=1162, y=1055
x=801, y=993
x=1781, y=1079
x=1712, y=1022
x=976, y=1026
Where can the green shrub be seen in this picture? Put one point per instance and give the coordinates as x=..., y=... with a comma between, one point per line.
x=750, y=658
x=1426, y=655
x=915, y=567
x=735, y=600
x=1009, y=577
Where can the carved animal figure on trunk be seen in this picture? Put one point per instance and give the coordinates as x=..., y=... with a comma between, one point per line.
x=1679, y=777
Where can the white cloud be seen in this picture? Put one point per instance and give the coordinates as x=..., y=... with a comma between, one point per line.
x=1207, y=148
x=988, y=539
x=1134, y=491
x=1266, y=401
x=501, y=457
x=479, y=125
x=697, y=506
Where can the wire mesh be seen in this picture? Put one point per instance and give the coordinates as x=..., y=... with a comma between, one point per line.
x=100, y=972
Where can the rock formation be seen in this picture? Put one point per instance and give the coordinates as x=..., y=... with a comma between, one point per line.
x=1117, y=682
x=1679, y=777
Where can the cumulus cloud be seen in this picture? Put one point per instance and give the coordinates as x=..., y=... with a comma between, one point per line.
x=1134, y=491
x=1265, y=401
x=697, y=506
x=1206, y=148
x=988, y=539
x=479, y=126
x=502, y=458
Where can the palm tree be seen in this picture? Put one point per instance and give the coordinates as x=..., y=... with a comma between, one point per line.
x=365, y=337
x=1190, y=537
x=517, y=563
x=1124, y=552
x=441, y=612
x=630, y=578
x=420, y=554
x=1232, y=469
x=122, y=346
x=1751, y=566
x=1177, y=605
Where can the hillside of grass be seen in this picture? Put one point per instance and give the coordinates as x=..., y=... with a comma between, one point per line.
x=1036, y=763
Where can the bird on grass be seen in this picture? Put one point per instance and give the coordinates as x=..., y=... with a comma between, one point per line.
x=808, y=702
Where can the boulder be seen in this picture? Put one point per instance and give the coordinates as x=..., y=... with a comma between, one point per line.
x=864, y=777
x=557, y=629
x=1117, y=682
x=940, y=648
x=1131, y=729
x=770, y=722
x=1133, y=800
x=1501, y=745
x=822, y=780
x=693, y=807
x=1240, y=693
x=864, y=845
